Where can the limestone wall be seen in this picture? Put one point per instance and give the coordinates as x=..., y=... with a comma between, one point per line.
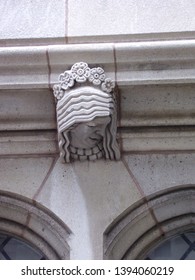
x=147, y=48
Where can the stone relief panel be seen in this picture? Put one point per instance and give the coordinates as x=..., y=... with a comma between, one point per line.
x=86, y=114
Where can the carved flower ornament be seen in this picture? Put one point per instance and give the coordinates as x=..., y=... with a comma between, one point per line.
x=58, y=92
x=107, y=85
x=80, y=73
x=97, y=76
x=66, y=80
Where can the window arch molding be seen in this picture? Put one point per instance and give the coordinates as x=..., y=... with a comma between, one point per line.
x=150, y=221
x=35, y=224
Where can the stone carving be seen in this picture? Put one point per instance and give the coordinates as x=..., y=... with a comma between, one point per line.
x=86, y=114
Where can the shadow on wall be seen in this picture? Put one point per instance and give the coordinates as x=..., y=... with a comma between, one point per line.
x=149, y=222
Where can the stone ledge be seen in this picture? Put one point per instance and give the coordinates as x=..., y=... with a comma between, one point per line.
x=28, y=143
x=96, y=39
x=131, y=141
x=27, y=102
x=29, y=109
x=23, y=67
x=158, y=139
x=151, y=62
x=157, y=105
x=160, y=62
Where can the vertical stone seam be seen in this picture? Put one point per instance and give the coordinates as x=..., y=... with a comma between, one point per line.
x=118, y=98
x=49, y=70
x=145, y=200
x=115, y=64
x=134, y=180
x=50, y=87
x=66, y=21
x=45, y=179
x=38, y=192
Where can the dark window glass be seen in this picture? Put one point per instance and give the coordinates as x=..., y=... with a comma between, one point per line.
x=12, y=248
x=180, y=247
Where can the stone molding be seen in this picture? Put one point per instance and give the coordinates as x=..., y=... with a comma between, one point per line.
x=157, y=139
x=133, y=63
x=98, y=39
x=138, y=230
x=41, y=143
x=32, y=222
x=144, y=70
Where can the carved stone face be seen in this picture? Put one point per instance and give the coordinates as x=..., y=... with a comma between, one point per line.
x=87, y=135
x=86, y=114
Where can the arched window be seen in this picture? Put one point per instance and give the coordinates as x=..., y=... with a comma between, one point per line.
x=154, y=227
x=30, y=231
x=179, y=247
x=12, y=248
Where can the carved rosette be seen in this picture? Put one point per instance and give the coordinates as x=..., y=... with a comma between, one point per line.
x=86, y=114
x=81, y=73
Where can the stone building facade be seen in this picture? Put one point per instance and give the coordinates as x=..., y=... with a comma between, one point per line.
x=99, y=209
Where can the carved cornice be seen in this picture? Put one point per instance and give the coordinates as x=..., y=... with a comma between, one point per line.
x=155, y=80
x=133, y=63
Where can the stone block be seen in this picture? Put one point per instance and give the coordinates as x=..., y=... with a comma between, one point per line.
x=159, y=172
x=32, y=19
x=23, y=176
x=23, y=67
x=27, y=110
x=157, y=139
x=155, y=62
x=87, y=18
x=28, y=143
x=157, y=105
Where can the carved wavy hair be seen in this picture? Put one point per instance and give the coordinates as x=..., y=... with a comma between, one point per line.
x=83, y=104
